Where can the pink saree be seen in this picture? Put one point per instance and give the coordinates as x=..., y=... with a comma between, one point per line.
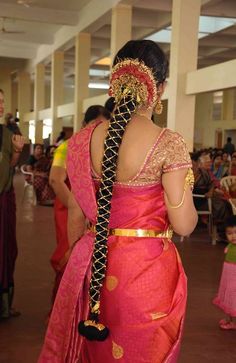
x=143, y=298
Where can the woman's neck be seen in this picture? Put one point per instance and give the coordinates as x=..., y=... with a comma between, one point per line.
x=144, y=112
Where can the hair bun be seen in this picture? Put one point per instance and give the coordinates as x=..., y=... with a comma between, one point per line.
x=132, y=77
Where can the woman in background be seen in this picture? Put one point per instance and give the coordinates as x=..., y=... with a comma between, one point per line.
x=60, y=183
x=206, y=184
x=217, y=166
x=35, y=157
x=44, y=192
x=232, y=170
x=225, y=164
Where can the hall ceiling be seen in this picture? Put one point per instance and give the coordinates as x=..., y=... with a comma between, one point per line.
x=38, y=21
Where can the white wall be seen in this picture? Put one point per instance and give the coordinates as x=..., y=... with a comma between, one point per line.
x=205, y=127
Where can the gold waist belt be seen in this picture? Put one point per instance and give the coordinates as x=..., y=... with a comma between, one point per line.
x=126, y=232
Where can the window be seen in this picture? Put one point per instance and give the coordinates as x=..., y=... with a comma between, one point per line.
x=217, y=106
x=47, y=128
x=32, y=131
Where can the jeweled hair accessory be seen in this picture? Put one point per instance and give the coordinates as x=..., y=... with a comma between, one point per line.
x=133, y=77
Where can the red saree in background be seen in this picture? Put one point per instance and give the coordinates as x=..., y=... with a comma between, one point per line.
x=143, y=298
x=61, y=254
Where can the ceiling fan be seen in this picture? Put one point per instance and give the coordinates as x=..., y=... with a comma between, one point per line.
x=3, y=30
x=25, y=3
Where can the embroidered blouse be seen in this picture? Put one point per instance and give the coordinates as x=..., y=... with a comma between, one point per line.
x=169, y=153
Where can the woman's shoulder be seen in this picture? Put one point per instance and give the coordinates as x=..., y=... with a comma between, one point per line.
x=173, y=135
x=173, y=148
x=86, y=131
x=170, y=140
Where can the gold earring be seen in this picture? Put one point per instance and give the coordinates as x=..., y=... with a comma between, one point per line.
x=159, y=107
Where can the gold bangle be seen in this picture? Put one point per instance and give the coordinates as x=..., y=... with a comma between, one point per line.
x=17, y=151
x=189, y=181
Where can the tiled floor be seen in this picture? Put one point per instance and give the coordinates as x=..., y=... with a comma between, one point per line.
x=21, y=338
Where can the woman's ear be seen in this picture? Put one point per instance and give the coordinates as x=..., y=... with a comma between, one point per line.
x=161, y=88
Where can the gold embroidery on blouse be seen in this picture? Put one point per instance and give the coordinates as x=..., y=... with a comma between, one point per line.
x=170, y=153
x=158, y=315
x=117, y=351
x=111, y=282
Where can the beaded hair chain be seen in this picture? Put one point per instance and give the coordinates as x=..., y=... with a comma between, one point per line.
x=133, y=85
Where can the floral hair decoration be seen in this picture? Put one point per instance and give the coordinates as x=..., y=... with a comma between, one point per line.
x=133, y=77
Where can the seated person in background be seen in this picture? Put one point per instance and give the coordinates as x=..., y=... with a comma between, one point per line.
x=37, y=154
x=232, y=170
x=217, y=166
x=225, y=164
x=232, y=195
x=205, y=185
x=44, y=192
x=232, y=191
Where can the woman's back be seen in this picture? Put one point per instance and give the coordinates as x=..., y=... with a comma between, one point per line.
x=138, y=195
x=139, y=138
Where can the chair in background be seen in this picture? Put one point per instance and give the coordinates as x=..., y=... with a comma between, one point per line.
x=226, y=183
x=207, y=212
x=28, y=184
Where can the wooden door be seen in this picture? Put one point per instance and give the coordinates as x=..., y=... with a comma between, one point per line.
x=219, y=139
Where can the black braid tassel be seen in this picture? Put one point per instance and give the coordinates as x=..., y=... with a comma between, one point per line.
x=93, y=330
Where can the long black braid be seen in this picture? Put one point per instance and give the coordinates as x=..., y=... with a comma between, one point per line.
x=138, y=68
x=91, y=329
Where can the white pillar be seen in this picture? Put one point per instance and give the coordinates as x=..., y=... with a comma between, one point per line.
x=39, y=100
x=121, y=27
x=57, y=91
x=183, y=58
x=24, y=100
x=204, y=131
x=228, y=104
x=14, y=97
x=6, y=86
x=82, y=64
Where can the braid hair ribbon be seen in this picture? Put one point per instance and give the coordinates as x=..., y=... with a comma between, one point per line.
x=130, y=92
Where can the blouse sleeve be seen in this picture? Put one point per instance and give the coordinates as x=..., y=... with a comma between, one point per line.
x=176, y=154
x=60, y=154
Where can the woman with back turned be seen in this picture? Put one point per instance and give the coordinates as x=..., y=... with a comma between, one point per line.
x=123, y=294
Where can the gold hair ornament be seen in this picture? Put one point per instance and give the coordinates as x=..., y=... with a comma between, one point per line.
x=133, y=77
